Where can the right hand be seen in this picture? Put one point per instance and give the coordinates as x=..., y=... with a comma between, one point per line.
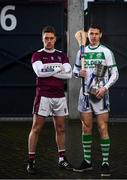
x=101, y=92
x=82, y=73
x=60, y=69
x=57, y=69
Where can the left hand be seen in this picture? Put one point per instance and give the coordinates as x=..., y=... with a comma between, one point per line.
x=59, y=69
x=62, y=69
x=82, y=73
x=101, y=92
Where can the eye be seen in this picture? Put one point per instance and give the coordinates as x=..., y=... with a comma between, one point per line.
x=49, y=38
x=46, y=38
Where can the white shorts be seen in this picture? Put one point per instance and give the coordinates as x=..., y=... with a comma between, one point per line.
x=51, y=107
x=86, y=104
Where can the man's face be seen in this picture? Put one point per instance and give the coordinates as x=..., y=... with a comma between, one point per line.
x=94, y=36
x=49, y=40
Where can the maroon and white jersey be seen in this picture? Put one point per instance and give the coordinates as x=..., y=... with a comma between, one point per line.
x=48, y=68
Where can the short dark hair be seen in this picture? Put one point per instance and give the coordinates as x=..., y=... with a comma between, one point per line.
x=48, y=29
x=95, y=26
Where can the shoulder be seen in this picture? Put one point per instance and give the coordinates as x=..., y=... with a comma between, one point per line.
x=105, y=48
x=109, y=55
x=60, y=53
x=37, y=55
x=40, y=51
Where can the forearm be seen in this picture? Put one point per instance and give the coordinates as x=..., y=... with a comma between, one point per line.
x=63, y=75
x=44, y=70
x=76, y=71
x=113, y=78
x=46, y=74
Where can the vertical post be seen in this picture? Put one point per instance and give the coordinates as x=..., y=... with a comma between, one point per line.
x=75, y=23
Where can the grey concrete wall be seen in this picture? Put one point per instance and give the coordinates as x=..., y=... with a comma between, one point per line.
x=75, y=23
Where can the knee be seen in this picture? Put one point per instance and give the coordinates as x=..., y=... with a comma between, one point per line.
x=103, y=131
x=60, y=129
x=87, y=128
x=36, y=130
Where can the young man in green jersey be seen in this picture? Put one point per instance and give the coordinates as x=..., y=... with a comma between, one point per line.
x=95, y=100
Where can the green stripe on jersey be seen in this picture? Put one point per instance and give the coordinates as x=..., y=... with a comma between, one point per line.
x=94, y=55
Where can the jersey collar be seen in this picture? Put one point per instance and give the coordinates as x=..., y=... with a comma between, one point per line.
x=93, y=47
x=49, y=51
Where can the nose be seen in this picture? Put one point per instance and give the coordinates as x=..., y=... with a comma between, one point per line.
x=49, y=40
x=94, y=35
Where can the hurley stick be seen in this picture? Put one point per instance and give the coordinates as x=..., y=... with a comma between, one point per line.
x=81, y=37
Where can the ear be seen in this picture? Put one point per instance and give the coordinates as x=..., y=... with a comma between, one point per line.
x=42, y=39
x=100, y=35
x=55, y=38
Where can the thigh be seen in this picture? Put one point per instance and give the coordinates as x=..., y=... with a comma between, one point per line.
x=102, y=119
x=87, y=122
x=38, y=122
x=59, y=122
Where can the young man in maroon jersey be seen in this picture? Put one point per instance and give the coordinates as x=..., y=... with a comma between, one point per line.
x=51, y=67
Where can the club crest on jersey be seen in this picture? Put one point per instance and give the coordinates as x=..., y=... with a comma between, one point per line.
x=52, y=58
x=99, y=55
x=91, y=55
x=59, y=58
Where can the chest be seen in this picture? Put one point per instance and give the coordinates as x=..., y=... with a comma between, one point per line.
x=92, y=58
x=51, y=58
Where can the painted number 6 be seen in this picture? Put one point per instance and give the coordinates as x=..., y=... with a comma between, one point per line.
x=4, y=17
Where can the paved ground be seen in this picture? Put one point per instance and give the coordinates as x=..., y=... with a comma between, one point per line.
x=13, y=152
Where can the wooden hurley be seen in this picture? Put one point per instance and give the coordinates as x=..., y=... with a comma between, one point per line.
x=81, y=37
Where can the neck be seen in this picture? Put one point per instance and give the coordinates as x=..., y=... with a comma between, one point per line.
x=49, y=50
x=94, y=45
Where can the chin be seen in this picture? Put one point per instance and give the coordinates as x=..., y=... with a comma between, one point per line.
x=49, y=48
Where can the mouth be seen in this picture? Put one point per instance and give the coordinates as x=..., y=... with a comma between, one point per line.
x=49, y=44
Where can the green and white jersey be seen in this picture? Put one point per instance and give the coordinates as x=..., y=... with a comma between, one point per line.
x=92, y=56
